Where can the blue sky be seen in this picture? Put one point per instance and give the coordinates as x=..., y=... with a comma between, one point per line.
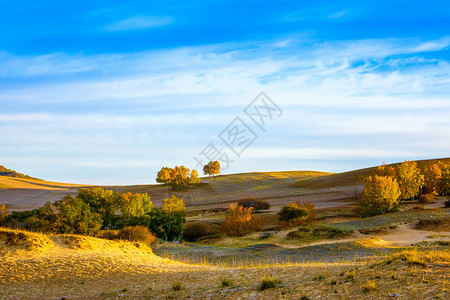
x=107, y=92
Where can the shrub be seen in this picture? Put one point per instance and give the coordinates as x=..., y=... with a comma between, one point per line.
x=380, y=195
x=368, y=286
x=224, y=282
x=176, y=286
x=195, y=230
x=239, y=221
x=268, y=283
x=108, y=234
x=137, y=233
x=296, y=213
x=426, y=198
x=447, y=203
x=257, y=204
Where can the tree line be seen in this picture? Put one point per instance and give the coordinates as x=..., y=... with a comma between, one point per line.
x=384, y=191
x=94, y=209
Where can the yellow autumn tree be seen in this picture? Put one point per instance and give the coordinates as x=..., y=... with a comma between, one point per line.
x=409, y=179
x=432, y=179
x=134, y=205
x=212, y=168
x=380, y=195
x=385, y=170
x=178, y=177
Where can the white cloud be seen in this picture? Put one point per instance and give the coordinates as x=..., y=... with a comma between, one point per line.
x=140, y=22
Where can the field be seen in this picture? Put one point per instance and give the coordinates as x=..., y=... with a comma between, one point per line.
x=339, y=256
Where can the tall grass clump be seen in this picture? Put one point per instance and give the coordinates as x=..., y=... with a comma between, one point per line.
x=268, y=282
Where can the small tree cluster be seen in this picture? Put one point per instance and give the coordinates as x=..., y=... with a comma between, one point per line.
x=212, y=168
x=437, y=179
x=239, y=221
x=178, y=177
x=380, y=195
x=296, y=213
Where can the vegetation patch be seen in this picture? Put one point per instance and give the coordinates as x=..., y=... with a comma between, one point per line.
x=268, y=282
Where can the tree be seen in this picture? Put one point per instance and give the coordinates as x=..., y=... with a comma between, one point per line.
x=100, y=201
x=134, y=205
x=212, y=168
x=75, y=216
x=432, y=180
x=385, y=170
x=195, y=179
x=444, y=186
x=380, y=195
x=167, y=222
x=178, y=177
x=409, y=179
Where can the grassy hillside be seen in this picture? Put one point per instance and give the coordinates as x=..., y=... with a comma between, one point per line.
x=325, y=190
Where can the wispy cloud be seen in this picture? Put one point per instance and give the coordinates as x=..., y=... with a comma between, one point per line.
x=361, y=99
x=139, y=22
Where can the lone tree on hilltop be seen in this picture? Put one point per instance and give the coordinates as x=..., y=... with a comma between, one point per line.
x=212, y=168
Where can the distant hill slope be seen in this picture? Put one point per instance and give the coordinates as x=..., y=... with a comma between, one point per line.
x=11, y=173
x=325, y=190
x=353, y=178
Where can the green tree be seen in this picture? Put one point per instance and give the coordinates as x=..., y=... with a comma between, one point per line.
x=75, y=216
x=380, y=195
x=101, y=201
x=409, y=179
x=167, y=222
x=134, y=205
x=212, y=168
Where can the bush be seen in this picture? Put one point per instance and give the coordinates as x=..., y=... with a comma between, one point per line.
x=368, y=286
x=296, y=213
x=426, y=198
x=137, y=233
x=195, y=230
x=257, y=204
x=447, y=204
x=380, y=195
x=239, y=221
x=268, y=283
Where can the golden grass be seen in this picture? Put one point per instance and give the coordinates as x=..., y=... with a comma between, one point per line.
x=20, y=183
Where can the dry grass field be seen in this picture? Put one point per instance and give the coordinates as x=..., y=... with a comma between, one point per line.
x=37, y=266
